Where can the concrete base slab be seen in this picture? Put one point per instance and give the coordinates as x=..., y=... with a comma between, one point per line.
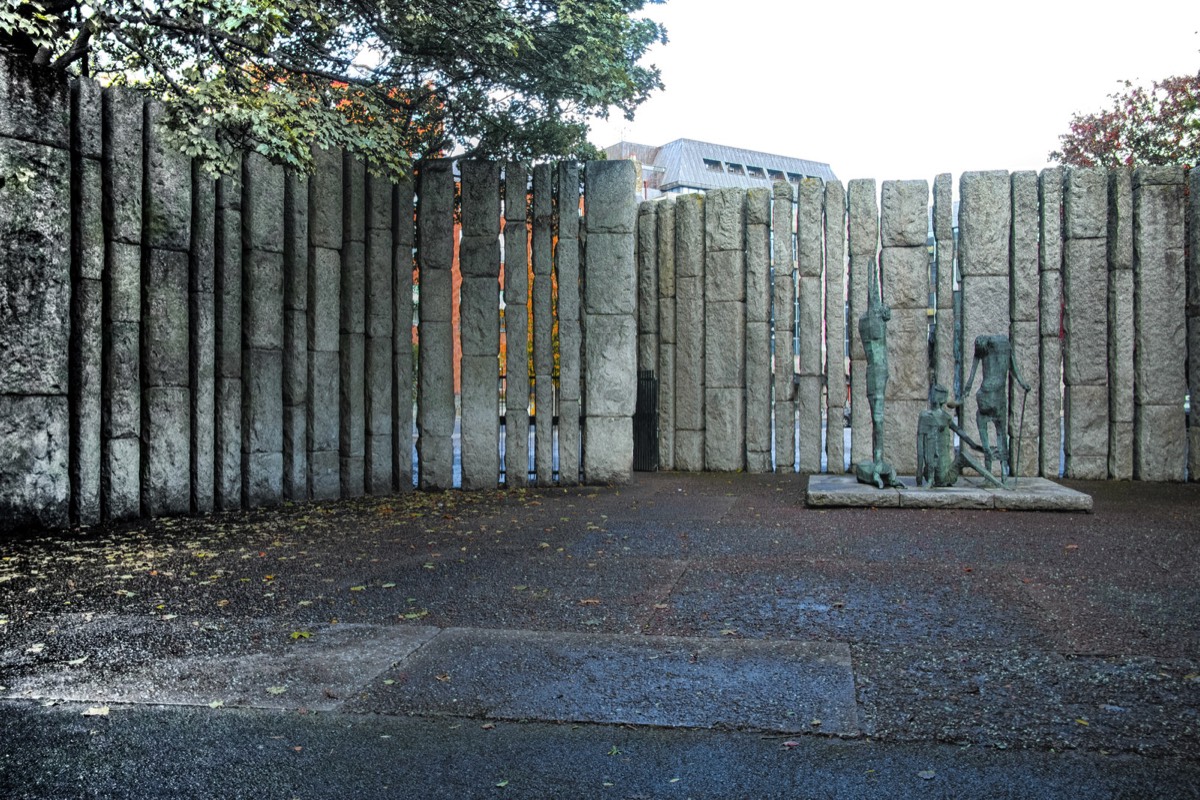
x=783, y=686
x=1025, y=494
x=253, y=664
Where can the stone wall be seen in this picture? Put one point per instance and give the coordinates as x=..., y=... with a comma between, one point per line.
x=1085, y=270
x=176, y=344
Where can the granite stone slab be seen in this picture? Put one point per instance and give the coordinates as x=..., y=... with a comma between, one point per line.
x=1027, y=494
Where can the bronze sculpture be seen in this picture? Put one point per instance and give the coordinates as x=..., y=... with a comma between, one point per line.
x=872, y=329
x=938, y=464
x=995, y=353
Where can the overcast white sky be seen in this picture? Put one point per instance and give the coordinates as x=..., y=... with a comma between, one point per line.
x=890, y=90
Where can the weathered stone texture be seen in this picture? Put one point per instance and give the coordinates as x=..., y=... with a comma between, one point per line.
x=863, y=226
x=87, y=377
x=809, y=225
x=758, y=330
x=543, y=320
x=325, y=199
x=570, y=329
x=905, y=273
x=202, y=380
x=945, y=367
x=35, y=281
x=166, y=486
x=34, y=484
x=36, y=105
x=165, y=356
x=1085, y=318
x=1050, y=422
x=168, y=189
x=435, y=393
x=1160, y=443
x=647, y=286
x=610, y=339
x=724, y=433
x=123, y=165
x=1085, y=203
x=689, y=330
x=836, y=379
x=904, y=207
x=227, y=447
x=480, y=320
x=88, y=221
x=516, y=325
x=608, y=448
x=1085, y=416
x=783, y=307
x=667, y=332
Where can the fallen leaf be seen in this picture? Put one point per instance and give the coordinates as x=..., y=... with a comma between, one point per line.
x=591, y=601
x=276, y=689
x=444, y=677
x=357, y=588
x=614, y=751
x=791, y=743
x=1083, y=722
x=35, y=649
x=388, y=586
x=488, y=726
x=222, y=603
x=388, y=682
x=501, y=784
x=217, y=704
x=301, y=635
x=1072, y=547
x=75, y=662
x=927, y=774
x=96, y=711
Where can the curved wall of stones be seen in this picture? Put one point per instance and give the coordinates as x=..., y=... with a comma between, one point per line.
x=174, y=344
x=1087, y=271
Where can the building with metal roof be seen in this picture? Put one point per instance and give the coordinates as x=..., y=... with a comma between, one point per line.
x=689, y=165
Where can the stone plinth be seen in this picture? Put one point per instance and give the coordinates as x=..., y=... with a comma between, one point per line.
x=1027, y=494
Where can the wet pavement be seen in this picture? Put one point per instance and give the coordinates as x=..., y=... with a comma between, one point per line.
x=682, y=636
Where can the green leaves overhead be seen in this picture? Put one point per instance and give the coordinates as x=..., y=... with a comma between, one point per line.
x=392, y=80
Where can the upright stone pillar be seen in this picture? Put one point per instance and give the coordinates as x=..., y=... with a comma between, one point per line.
x=985, y=229
x=166, y=399
x=353, y=330
x=810, y=261
x=1120, y=324
x=35, y=297
x=904, y=263
x=403, y=236
x=479, y=312
x=1160, y=324
x=945, y=367
x=295, y=336
x=380, y=310
x=323, y=422
x=516, y=326
x=724, y=330
x=87, y=299
x=1193, y=318
x=543, y=323
x=783, y=216
x=1085, y=322
x=835, y=327
x=1024, y=288
x=262, y=335
x=647, y=299
x=570, y=330
x=1050, y=188
x=758, y=330
x=689, y=333
x=202, y=317
x=668, y=335
x=227, y=298
x=863, y=226
x=435, y=386
x=121, y=472
x=609, y=321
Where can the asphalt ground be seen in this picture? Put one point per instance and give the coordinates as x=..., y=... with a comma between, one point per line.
x=681, y=636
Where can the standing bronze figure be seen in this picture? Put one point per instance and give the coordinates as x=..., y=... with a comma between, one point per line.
x=872, y=329
x=991, y=401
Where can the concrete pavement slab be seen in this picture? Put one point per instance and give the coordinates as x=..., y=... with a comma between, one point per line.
x=637, y=680
x=175, y=662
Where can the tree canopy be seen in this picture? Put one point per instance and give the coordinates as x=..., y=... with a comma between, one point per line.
x=391, y=80
x=1143, y=127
